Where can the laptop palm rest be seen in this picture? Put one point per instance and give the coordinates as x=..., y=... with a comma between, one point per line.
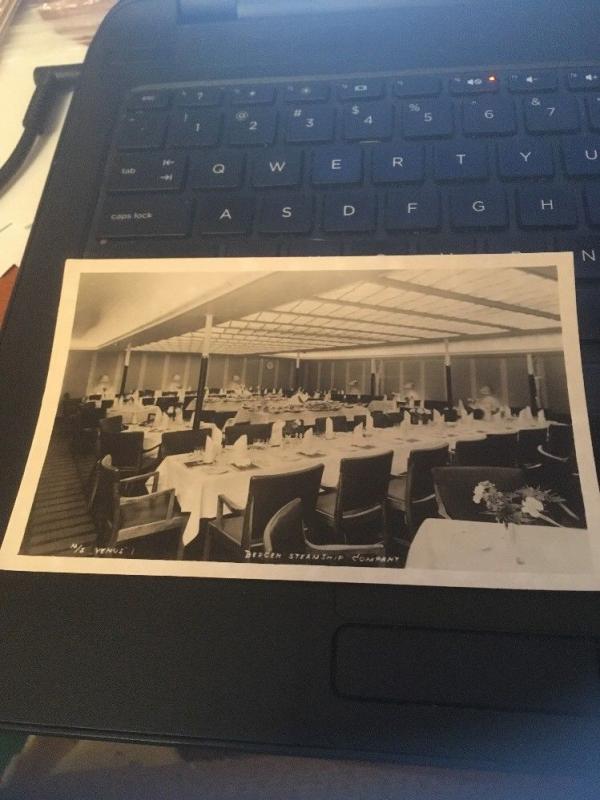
x=499, y=671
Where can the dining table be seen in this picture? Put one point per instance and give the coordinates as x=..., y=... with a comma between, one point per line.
x=197, y=487
x=460, y=545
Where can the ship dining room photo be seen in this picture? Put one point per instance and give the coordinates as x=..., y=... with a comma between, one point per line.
x=388, y=418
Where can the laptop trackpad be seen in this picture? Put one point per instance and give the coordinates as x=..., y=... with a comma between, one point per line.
x=477, y=670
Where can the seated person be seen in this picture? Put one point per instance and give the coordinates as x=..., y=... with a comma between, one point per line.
x=486, y=401
x=104, y=387
x=235, y=385
x=298, y=397
x=410, y=394
x=176, y=384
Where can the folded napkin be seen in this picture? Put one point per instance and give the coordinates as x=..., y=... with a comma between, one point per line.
x=541, y=417
x=404, y=426
x=179, y=414
x=277, y=432
x=217, y=437
x=240, y=452
x=308, y=443
x=329, y=434
x=369, y=425
x=525, y=415
x=461, y=409
x=437, y=417
x=210, y=451
x=357, y=433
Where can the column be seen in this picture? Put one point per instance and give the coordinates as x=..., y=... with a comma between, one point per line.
x=448, y=370
x=126, y=361
x=533, y=401
x=373, y=386
x=297, y=377
x=203, y=371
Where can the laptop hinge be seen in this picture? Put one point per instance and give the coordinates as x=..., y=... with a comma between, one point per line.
x=207, y=10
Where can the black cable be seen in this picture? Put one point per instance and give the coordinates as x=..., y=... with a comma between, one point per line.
x=50, y=83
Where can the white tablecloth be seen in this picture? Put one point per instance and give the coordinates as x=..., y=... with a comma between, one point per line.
x=490, y=547
x=197, y=488
x=132, y=413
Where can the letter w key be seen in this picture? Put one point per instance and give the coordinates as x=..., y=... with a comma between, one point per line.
x=277, y=168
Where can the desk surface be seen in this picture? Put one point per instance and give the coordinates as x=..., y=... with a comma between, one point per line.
x=30, y=42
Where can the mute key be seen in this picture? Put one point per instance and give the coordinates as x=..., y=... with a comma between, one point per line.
x=132, y=218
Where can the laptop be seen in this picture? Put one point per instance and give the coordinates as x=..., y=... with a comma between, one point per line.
x=315, y=108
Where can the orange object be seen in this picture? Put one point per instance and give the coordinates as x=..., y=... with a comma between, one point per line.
x=7, y=281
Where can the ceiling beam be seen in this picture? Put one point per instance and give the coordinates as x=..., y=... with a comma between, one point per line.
x=447, y=294
x=423, y=314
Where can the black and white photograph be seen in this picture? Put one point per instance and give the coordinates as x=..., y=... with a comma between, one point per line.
x=385, y=419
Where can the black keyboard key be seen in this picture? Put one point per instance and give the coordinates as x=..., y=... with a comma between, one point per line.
x=147, y=172
x=455, y=161
x=287, y=215
x=586, y=255
x=310, y=124
x=588, y=303
x=276, y=168
x=583, y=79
x=525, y=158
x=135, y=217
x=217, y=170
x=252, y=95
x=368, y=121
x=349, y=212
x=478, y=208
x=199, y=96
x=194, y=127
x=417, y=86
x=546, y=206
x=533, y=81
x=551, y=114
x=370, y=88
x=489, y=116
x=412, y=209
x=401, y=163
x=428, y=119
x=581, y=156
x=593, y=108
x=153, y=98
x=252, y=126
x=591, y=196
x=342, y=164
x=225, y=216
x=479, y=83
x=306, y=92
x=142, y=129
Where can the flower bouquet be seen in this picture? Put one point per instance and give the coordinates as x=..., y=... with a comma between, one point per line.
x=519, y=507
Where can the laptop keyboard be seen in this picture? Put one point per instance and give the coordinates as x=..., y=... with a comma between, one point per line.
x=420, y=163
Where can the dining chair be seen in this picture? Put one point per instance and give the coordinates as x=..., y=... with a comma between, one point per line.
x=111, y=424
x=381, y=419
x=285, y=535
x=176, y=442
x=148, y=401
x=242, y=530
x=454, y=487
x=396, y=417
x=259, y=432
x=144, y=525
x=355, y=512
x=127, y=451
x=85, y=428
x=560, y=440
x=413, y=494
x=471, y=453
x=166, y=402
x=107, y=404
x=528, y=441
x=359, y=419
x=502, y=449
x=560, y=474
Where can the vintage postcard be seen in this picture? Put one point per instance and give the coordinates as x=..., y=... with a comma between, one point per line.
x=412, y=420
